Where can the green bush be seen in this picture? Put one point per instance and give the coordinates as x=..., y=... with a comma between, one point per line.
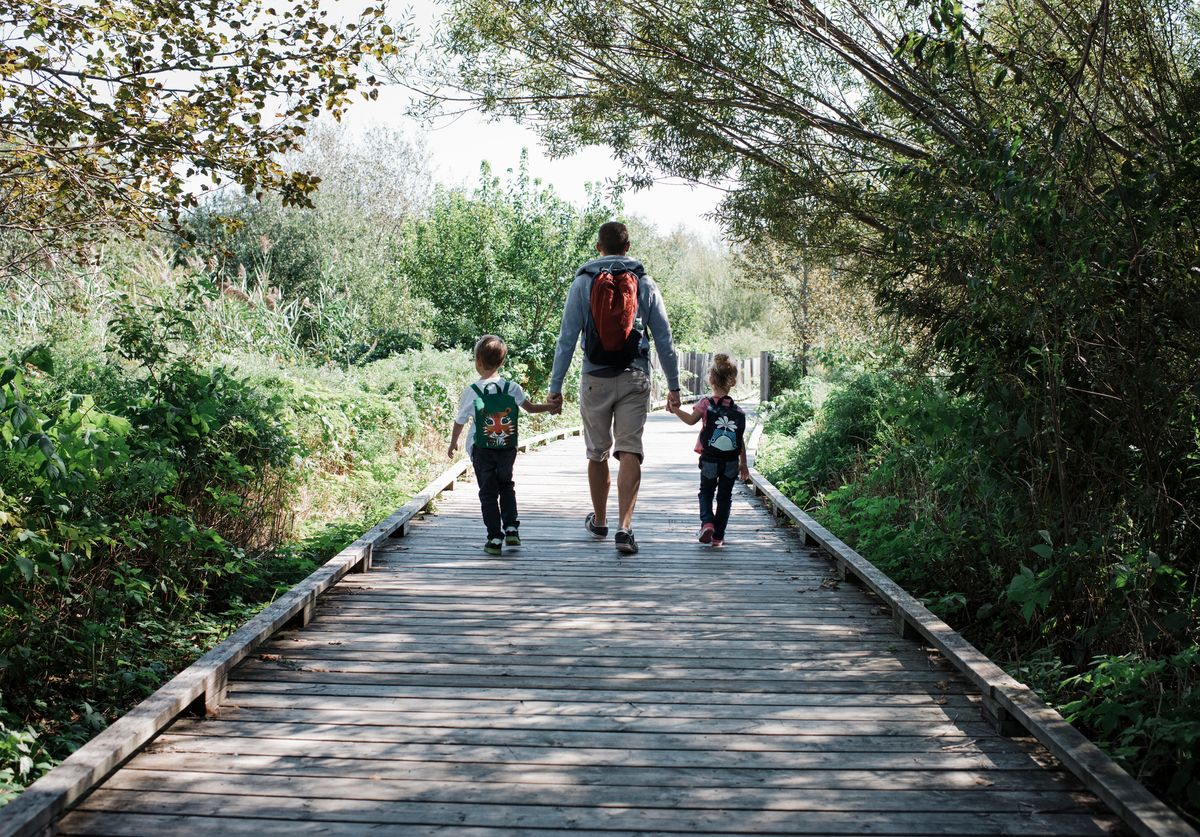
x=928, y=486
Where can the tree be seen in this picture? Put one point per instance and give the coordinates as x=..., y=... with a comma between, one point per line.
x=500, y=261
x=111, y=111
x=827, y=308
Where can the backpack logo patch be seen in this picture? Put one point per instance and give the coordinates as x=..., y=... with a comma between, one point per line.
x=724, y=437
x=498, y=427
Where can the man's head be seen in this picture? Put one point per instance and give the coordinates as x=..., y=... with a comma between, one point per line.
x=613, y=239
x=490, y=352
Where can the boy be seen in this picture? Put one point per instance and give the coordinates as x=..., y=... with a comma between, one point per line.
x=492, y=403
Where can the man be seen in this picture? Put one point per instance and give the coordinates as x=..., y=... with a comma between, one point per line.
x=614, y=395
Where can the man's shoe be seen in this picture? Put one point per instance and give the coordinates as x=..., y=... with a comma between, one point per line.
x=596, y=530
x=494, y=546
x=625, y=542
x=511, y=536
x=706, y=533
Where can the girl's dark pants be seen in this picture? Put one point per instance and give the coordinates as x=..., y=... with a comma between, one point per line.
x=497, y=494
x=717, y=478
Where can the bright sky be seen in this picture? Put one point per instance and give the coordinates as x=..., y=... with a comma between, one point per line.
x=458, y=146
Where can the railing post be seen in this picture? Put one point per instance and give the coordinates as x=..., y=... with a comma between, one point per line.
x=764, y=377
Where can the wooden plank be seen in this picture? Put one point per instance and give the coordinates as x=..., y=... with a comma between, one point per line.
x=402, y=813
x=932, y=729
x=168, y=742
x=801, y=706
x=889, y=741
x=516, y=793
x=548, y=778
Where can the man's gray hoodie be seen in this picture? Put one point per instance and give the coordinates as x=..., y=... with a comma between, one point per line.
x=577, y=310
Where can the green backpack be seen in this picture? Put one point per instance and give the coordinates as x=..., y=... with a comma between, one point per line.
x=495, y=417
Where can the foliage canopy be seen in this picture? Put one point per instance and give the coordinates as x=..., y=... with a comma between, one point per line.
x=109, y=110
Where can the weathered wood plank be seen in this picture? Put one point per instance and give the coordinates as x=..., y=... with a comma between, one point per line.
x=517, y=793
x=590, y=817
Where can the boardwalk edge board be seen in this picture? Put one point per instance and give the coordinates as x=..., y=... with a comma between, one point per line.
x=202, y=685
x=1006, y=700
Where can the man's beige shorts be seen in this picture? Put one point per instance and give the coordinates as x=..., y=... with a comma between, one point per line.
x=614, y=413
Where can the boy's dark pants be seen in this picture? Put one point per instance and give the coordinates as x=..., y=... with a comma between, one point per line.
x=717, y=478
x=497, y=494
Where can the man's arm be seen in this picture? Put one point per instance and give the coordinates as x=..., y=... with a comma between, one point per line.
x=568, y=338
x=660, y=330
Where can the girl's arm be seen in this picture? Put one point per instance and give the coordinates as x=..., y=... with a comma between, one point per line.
x=743, y=466
x=457, y=432
x=688, y=418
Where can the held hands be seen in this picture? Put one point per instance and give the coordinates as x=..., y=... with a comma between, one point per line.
x=554, y=401
x=673, y=401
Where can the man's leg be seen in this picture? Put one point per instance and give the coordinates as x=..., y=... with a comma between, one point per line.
x=629, y=422
x=629, y=481
x=599, y=482
x=596, y=411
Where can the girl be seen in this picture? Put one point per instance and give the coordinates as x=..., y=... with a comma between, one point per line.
x=721, y=447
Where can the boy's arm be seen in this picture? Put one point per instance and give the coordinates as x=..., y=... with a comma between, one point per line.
x=530, y=407
x=454, y=436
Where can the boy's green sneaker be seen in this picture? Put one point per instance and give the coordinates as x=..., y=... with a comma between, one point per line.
x=494, y=546
x=511, y=536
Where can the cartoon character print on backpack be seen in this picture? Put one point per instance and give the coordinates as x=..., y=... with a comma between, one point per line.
x=498, y=427
x=724, y=435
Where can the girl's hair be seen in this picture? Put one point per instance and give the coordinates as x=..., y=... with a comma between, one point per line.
x=723, y=372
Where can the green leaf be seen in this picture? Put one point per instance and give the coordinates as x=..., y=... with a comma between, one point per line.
x=25, y=566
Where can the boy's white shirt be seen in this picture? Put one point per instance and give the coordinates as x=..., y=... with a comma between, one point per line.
x=466, y=405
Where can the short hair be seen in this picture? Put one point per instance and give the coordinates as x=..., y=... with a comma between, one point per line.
x=613, y=238
x=723, y=373
x=490, y=351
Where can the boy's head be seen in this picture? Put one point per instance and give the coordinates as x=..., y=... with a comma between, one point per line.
x=490, y=352
x=723, y=373
x=613, y=239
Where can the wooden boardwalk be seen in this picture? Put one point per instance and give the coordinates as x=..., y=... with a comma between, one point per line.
x=562, y=689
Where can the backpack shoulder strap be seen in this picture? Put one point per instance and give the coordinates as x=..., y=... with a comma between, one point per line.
x=478, y=391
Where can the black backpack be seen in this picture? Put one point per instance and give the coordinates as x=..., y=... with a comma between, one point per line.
x=724, y=429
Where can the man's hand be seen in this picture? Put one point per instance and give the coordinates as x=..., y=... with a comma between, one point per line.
x=673, y=401
x=744, y=473
x=555, y=400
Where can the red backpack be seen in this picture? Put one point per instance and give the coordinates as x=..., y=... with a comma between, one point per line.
x=614, y=331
